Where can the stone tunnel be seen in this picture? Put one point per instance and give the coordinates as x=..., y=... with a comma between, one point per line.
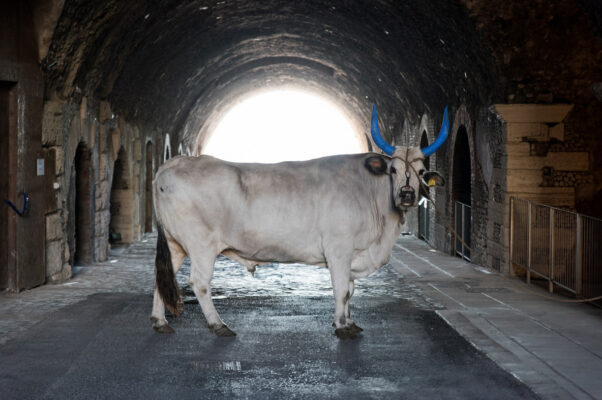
x=95, y=96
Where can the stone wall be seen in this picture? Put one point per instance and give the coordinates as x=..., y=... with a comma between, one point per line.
x=66, y=125
x=556, y=60
x=487, y=136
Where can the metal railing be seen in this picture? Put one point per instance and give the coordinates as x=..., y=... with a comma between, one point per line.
x=560, y=246
x=463, y=223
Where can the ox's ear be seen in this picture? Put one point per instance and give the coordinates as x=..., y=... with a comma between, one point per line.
x=377, y=165
x=433, y=178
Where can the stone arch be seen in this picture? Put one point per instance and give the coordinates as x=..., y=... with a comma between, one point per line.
x=462, y=173
x=122, y=205
x=148, y=188
x=83, y=213
x=424, y=223
x=167, y=148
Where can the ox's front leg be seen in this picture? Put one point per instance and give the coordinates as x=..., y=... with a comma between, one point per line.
x=340, y=276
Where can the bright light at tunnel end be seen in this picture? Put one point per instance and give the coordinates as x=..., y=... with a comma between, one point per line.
x=283, y=125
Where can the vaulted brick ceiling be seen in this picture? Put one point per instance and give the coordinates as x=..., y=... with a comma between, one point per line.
x=175, y=65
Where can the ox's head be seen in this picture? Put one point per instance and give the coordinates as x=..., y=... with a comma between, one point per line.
x=406, y=165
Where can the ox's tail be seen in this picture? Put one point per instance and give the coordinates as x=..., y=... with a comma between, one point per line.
x=164, y=275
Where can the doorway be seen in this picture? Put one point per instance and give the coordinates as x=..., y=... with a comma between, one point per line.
x=120, y=227
x=83, y=209
x=424, y=204
x=7, y=183
x=148, y=209
x=462, y=194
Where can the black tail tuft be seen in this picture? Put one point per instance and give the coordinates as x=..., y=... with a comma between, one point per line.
x=164, y=276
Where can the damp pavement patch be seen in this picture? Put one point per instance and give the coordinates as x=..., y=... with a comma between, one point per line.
x=104, y=348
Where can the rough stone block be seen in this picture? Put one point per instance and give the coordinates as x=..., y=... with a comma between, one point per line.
x=59, y=164
x=105, y=166
x=563, y=161
x=533, y=112
x=116, y=141
x=516, y=132
x=52, y=123
x=66, y=254
x=137, y=150
x=54, y=258
x=551, y=196
x=102, y=251
x=522, y=148
x=104, y=111
x=61, y=276
x=523, y=179
x=83, y=110
x=54, y=230
x=92, y=127
x=557, y=132
x=74, y=135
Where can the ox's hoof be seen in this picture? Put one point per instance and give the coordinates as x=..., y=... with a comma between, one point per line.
x=354, y=328
x=163, y=329
x=346, y=333
x=223, y=331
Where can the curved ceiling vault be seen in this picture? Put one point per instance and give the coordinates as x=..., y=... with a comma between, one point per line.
x=175, y=66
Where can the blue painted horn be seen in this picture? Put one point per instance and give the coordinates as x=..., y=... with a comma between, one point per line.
x=433, y=147
x=427, y=151
x=376, y=136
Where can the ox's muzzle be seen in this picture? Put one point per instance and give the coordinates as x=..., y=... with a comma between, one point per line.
x=407, y=196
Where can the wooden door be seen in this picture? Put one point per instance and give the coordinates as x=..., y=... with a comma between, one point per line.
x=7, y=184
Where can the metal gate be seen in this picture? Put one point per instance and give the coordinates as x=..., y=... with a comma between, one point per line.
x=463, y=222
x=562, y=247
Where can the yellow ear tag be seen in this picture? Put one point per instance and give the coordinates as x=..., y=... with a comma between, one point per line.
x=432, y=182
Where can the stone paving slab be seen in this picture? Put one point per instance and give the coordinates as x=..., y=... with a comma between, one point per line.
x=553, y=347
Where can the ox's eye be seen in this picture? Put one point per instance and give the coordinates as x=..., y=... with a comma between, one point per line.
x=393, y=170
x=421, y=172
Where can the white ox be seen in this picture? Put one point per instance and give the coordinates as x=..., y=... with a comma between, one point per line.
x=343, y=212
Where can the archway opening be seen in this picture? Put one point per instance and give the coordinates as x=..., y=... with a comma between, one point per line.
x=424, y=229
x=120, y=227
x=462, y=194
x=83, y=205
x=167, y=149
x=148, y=183
x=283, y=125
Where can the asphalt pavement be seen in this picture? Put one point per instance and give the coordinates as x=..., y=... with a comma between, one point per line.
x=435, y=326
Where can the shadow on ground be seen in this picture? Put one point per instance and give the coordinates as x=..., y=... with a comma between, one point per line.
x=104, y=347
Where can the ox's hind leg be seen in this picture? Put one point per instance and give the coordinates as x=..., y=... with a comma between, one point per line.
x=349, y=322
x=158, y=314
x=201, y=272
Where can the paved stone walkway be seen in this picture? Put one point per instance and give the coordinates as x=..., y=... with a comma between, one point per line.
x=553, y=347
